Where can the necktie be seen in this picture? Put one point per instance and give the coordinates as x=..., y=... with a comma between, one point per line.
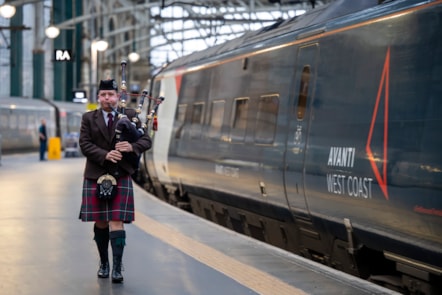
x=110, y=122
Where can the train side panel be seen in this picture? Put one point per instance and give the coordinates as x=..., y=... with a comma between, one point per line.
x=376, y=161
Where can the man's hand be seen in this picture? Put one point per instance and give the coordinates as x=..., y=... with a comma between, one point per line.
x=123, y=146
x=114, y=156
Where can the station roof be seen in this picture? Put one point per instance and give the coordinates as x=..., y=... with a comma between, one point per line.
x=163, y=30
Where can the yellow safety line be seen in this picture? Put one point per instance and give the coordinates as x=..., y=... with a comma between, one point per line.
x=250, y=277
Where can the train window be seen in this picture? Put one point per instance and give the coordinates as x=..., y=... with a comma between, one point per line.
x=3, y=120
x=266, y=118
x=73, y=121
x=22, y=124
x=197, y=120
x=180, y=115
x=216, y=118
x=303, y=92
x=29, y=121
x=197, y=113
x=239, y=120
x=33, y=121
x=13, y=121
x=77, y=123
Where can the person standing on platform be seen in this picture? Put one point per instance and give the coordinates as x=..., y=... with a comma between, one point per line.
x=43, y=139
x=105, y=156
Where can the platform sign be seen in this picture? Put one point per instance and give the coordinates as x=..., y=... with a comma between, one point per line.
x=79, y=96
x=62, y=55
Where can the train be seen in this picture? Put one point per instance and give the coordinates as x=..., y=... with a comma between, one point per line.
x=320, y=135
x=21, y=117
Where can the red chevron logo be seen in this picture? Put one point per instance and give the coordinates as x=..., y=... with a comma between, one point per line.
x=382, y=158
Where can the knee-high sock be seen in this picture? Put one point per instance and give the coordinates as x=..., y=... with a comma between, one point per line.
x=101, y=238
x=118, y=241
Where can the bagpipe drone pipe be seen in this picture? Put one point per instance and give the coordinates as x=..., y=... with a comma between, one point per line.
x=129, y=127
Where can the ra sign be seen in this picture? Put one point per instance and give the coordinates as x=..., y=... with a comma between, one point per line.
x=62, y=55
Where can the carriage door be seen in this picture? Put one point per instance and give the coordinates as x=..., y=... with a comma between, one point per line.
x=299, y=120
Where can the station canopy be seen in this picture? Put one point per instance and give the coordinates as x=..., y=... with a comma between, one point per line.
x=178, y=28
x=163, y=30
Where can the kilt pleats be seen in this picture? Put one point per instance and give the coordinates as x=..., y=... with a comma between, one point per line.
x=121, y=208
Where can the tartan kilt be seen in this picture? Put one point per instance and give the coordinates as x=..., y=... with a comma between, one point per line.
x=120, y=208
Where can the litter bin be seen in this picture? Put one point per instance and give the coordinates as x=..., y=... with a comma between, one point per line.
x=54, y=148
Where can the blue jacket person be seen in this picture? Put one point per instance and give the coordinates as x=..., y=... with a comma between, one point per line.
x=43, y=138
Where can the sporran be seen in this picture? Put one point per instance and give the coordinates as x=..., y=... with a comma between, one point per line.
x=106, y=187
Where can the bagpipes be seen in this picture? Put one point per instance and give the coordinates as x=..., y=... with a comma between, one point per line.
x=125, y=130
x=132, y=130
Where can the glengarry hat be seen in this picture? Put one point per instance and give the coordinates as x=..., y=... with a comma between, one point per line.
x=108, y=85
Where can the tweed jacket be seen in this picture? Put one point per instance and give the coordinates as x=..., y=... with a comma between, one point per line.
x=95, y=142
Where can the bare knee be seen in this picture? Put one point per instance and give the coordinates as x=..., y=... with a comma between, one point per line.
x=116, y=225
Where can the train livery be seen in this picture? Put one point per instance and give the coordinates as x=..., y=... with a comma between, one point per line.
x=320, y=135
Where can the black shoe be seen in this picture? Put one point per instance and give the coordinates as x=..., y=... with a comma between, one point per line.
x=103, y=271
x=117, y=277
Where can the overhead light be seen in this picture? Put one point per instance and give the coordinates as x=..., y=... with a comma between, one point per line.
x=101, y=45
x=134, y=57
x=7, y=11
x=52, y=32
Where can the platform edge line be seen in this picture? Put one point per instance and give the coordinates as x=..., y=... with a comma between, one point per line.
x=250, y=277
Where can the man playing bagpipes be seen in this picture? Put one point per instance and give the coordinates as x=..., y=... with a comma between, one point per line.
x=108, y=197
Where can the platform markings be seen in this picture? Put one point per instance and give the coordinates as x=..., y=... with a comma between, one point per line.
x=250, y=277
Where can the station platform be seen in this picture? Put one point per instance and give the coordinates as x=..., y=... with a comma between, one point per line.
x=46, y=249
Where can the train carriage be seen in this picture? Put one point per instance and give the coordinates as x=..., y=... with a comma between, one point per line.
x=320, y=135
x=20, y=119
